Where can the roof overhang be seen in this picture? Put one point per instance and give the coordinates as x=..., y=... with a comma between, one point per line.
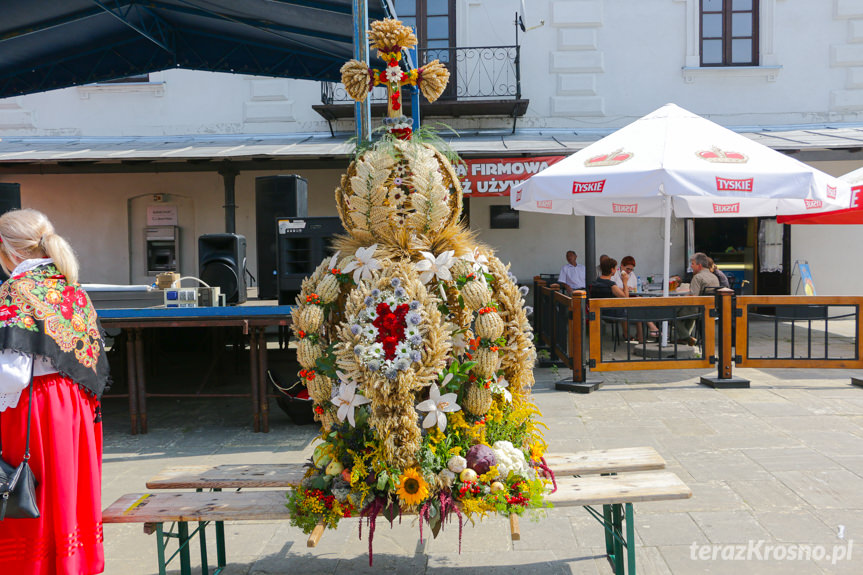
x=48, y=44
x=266, y=152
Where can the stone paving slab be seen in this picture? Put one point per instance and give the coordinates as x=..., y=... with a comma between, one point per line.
x=780, y=464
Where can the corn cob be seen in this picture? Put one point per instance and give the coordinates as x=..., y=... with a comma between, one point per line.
x=489, y=325
x=308, y=353
x=320, y=388
x=327, y=419
x=329, y=288
x=310, y=319
x=475, y=294
x=487, y=362
x=477, y=400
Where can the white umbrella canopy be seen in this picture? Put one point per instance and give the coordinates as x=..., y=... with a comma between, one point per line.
x=675, y=161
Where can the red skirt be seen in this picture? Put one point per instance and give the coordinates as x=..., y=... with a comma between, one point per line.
x=66, y=458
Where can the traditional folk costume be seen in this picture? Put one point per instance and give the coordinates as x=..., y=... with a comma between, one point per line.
x=50, y=326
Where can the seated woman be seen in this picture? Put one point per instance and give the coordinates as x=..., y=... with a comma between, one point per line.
x=627, y=266
x=720, y=275
x=604, y=287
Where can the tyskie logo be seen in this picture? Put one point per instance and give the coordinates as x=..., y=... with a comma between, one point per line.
x=831, y=192
x=546, y=204
x=812, y=204
x=729, y=185
x=726, y=208
x=518, y=195
x=624, y=208
x=588, y=187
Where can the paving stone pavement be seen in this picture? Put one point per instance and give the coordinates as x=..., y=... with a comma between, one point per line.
x=774, y=470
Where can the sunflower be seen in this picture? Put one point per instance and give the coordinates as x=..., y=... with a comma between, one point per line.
x=412, y=487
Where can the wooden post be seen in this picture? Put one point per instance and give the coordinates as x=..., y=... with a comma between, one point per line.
x=580, y=382
x=724, y=379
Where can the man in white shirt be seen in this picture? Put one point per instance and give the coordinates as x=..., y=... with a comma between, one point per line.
x=572, y=274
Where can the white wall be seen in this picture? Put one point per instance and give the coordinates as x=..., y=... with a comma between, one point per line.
x=91, y=211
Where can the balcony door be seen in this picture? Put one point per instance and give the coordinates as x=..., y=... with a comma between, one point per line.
x=434, y=23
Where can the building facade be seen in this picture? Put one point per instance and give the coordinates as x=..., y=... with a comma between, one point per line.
x=100, y=159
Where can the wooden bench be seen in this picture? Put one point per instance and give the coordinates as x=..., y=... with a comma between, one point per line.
x=200, y=507
x=644, y=480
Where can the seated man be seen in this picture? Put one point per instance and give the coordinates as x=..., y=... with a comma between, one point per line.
x=572, y=274
x=702, y=278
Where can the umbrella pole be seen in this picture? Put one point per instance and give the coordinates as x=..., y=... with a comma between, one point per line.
x=666, y=259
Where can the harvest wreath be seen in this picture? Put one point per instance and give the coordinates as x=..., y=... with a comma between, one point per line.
x=415, y=347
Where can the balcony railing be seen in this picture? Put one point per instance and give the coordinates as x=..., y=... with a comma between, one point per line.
x=485, y=73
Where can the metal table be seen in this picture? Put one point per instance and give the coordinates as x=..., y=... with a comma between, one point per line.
x=254, y=319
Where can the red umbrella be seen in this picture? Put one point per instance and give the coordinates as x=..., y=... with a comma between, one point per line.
x=852, y=215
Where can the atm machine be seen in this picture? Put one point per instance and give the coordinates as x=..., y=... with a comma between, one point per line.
x=162, y=248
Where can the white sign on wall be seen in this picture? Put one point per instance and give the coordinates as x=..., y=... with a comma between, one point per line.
x=162, y=215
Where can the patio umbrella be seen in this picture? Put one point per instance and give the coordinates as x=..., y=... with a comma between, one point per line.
x=846, y=216
x=675, y=161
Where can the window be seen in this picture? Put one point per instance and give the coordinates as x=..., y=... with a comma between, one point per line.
x=433, y=22
x=729, y=32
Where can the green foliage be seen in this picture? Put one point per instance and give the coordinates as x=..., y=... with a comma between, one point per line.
x=326, y=364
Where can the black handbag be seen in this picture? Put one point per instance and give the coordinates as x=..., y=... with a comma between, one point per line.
x=17, y=484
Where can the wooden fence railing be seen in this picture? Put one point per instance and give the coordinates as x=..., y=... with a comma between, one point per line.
x=747, y=331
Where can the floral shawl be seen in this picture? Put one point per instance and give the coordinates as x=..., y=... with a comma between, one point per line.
x=42, y=314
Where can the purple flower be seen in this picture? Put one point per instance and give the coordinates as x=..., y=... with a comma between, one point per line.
x=376, y=292
x=356, y=329
x=395, y=282
x=523, y=290
x=374, y=365
x=391, y=373
x=416, y=340
x=416, y=356
x=400, y=292
x=369, y=301
x=414, y=318
x=528, y=310
x=415, y=305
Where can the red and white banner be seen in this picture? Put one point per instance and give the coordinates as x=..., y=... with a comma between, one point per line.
x=497, y=176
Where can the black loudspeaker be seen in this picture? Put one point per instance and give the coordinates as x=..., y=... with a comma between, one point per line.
x=280, y=197
x=303, y=245
x=222, y=264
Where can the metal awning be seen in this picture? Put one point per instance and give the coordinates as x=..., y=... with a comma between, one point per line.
x=37, y=153
x=48, y=44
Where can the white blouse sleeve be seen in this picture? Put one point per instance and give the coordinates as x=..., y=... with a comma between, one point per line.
x=15, y=370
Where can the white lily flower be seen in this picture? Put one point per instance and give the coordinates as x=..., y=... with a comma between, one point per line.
x=437, y=406
x=459, y=342
x=364, y=264
x=347, y=400
x=479, y=261
x=394, y=74
x=433, y=266
x=333, y=261
x=500, y=386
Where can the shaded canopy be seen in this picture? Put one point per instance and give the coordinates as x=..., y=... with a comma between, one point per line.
x=46, y=44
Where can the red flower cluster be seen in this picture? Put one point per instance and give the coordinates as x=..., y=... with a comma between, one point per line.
x=301, y=334
x=518, y=498
x=319, y=410
x=395, y=99
x=391, y=326
x=336, y=271
x=8, y=312
x=313, y=298
x=307, y=373
x=471, y=487
x=402, y=133
x=488, y=309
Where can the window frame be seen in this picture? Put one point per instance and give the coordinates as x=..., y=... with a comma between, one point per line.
x=727, y=38
x=420, y=17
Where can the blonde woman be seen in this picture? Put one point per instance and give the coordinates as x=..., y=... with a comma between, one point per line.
x=48, y=329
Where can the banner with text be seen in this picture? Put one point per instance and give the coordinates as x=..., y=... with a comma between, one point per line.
x=497, y=176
